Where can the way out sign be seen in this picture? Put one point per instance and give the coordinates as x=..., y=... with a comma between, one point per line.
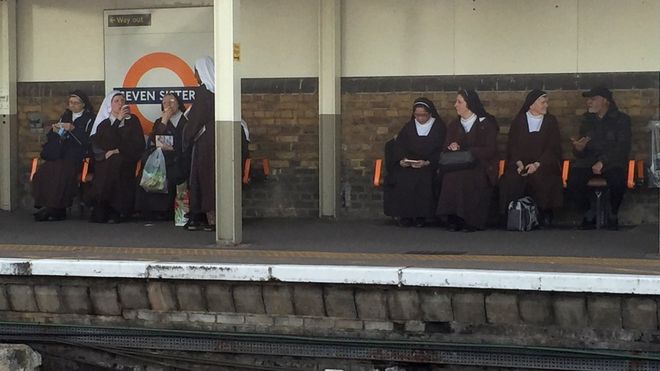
x=146, y=59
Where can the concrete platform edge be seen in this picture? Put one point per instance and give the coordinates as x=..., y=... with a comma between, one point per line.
x=339, y=274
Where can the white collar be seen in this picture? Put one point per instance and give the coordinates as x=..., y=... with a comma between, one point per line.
x=424, y=129
x=112, y=119
x=75, y=116
x=469, y=122
x=175, y=118
x=534, y=122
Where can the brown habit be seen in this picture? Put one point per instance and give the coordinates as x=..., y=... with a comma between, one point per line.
x=114, y=177
x=467, y=193
x=55, y=184
x=202, y=167
x=544, y=146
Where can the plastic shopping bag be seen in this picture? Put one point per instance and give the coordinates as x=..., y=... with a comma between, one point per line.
x=154, y=175
x=181, y=205
x=654, y=166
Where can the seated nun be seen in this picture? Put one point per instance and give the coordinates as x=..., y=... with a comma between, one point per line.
x=118, y=144
x=533, y=159
x=413, y=183
x=55, y=183
x=466, y=192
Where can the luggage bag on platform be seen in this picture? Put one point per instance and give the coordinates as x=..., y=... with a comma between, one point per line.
x=522, y=214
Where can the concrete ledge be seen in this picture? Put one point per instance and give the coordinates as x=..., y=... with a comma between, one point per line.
x=340, y=274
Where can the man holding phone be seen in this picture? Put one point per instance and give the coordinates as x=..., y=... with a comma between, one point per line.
x=602, y=149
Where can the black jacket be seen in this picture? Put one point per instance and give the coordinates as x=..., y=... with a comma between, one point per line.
x=610, y=140
x=71, y=146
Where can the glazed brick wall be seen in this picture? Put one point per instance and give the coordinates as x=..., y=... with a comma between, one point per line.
x=282, y=115
x=371, y=119
x=283, y=129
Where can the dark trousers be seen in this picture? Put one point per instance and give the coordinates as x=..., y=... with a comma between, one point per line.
x=577, y=186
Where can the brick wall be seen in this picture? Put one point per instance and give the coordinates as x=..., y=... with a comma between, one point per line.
x=375, y=109
x=282, y=115
x=530, y=318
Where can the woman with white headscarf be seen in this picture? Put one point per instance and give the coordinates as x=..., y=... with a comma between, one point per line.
x=199, y=142
x=118, y=144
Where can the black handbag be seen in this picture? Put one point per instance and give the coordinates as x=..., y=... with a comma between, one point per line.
x=456, y=160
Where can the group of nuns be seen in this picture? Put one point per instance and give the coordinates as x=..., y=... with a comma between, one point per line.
x=114, y=144
x=418, y=189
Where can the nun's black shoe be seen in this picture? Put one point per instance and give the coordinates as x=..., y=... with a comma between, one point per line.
x=455, y=223
x=420, y=222
x=50, y=215
x=193, y=225
x=114, y=218
x=405, y=222
x=209, y=228
x=587, y=224
x=469, y=229
x=545, y=220
x=41, y=215
x=613, y=224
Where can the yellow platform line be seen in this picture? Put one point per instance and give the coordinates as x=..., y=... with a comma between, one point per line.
x=157, y=253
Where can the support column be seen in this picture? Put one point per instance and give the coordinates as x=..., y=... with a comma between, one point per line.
x=329, y=106
x=8, y=119
x=229, y=224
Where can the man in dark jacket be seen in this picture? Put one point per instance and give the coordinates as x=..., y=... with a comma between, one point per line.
x=601, y=150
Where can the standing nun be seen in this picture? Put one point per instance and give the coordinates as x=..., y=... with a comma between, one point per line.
x=465, y=194
x=118, y=144
x=533, y=161
x=414, y=180
x=199, y=141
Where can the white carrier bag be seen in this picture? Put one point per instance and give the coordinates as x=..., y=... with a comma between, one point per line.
x=523, y=215
x=654, y=166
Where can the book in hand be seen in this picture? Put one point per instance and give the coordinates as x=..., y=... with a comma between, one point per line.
x=164, y=140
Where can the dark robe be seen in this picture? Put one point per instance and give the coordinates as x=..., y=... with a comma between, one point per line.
x=467, y=193
x=413, y=192
x=200, y=147
x=148, y=202
x=545, y=185
x=610, y=143
x=113, y=188
x=55, y=183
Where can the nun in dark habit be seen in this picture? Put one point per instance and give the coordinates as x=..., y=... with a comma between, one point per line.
x=414, y=181
x=533, y=160
x=465, y=194
x=118, y=144
x=55, y=184
x=199, y=143
x=167, y=134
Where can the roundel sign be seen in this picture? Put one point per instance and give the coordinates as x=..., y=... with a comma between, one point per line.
x=137, y=96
